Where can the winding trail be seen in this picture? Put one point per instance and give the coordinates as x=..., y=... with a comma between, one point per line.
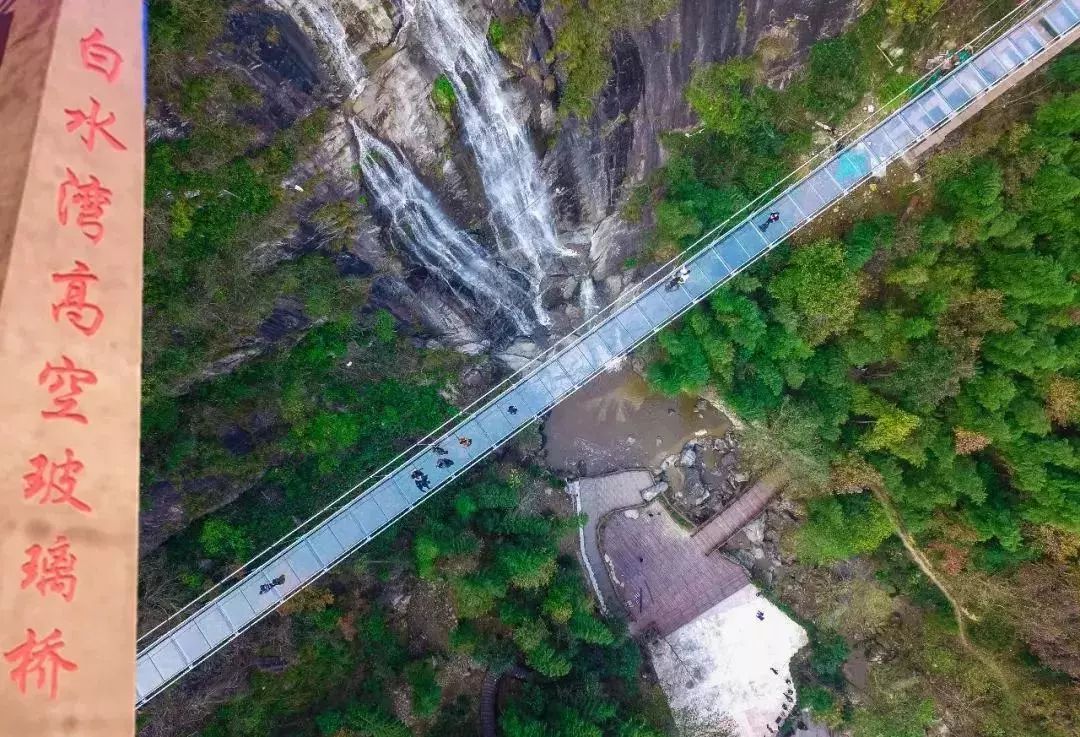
x=489, y=696
x=177, y=645
x=960, y=613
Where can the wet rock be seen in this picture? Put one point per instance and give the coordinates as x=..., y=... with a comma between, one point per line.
x=349, y=264
x=230, y=362
x=688, y=457
x=279, y=50
x=164, y=129
x=755, y=531
x=631, y=513
x=518, y=354
x=694, y=488
x=610, y=244
x=168, y=509
x=287, y=317
x=654, y=491
x=744, y=557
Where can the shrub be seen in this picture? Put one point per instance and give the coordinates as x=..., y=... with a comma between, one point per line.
x=583, y=45
x=426, y=691
x=840, y=527
x=827, y=655
x=907, y=12
x=837, y=77
x=718, y=93
x=223, y=541
x=443, y=95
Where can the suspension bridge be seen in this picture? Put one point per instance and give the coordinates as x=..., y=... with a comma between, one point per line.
x=192, y=635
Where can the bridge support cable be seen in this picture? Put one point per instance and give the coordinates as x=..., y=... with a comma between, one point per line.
x=411, y=478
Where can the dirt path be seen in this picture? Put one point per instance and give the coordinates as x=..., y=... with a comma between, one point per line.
x=960, y=613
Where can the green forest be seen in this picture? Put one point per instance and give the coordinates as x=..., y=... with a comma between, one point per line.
x=934, y=355
x=919, y=371
x=513, y=599
x=913, y=362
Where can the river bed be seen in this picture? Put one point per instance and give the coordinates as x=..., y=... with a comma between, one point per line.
x=617, y=422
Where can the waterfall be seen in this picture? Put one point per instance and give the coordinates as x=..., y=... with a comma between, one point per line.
x=508, y=276
x=587, y=297
x=520, y=207
x=318, y=19
x=444, y=250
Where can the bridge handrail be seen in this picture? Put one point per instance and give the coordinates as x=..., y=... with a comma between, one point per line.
x=580, y=333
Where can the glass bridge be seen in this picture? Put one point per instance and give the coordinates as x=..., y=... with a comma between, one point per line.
x=582, y=355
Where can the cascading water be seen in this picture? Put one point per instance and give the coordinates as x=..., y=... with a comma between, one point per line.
x=520, y=207
x=587, y=298
x=444, y=250
x=319, y=19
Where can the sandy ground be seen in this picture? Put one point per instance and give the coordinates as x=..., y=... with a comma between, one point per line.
x=720, y=665
x=615, y=422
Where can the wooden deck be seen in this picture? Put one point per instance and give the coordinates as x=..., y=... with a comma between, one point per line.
x=742, y=511
x=664, y=575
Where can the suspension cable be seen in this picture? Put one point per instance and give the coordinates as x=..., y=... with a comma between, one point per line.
x=576, y=334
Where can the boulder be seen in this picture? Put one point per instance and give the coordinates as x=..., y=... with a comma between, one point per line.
x=650, y=493
x=755, y=531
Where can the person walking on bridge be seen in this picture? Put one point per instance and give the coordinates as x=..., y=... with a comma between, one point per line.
x=773, y=217
x=679, y=278
x=420, y=479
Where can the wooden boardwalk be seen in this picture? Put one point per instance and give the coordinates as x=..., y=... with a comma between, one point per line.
x=489, y=697
x=745, y=509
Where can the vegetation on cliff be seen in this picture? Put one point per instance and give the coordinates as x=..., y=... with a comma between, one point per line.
x=583, y=45
x=247, y=442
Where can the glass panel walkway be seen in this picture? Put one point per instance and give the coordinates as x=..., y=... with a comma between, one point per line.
x=402, y=489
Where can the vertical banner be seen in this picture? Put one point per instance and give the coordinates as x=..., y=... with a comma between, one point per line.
x=71, y=188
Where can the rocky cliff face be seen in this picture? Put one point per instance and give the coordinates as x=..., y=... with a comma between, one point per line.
x=554, y=236
x=488, y=221
x=619, y=146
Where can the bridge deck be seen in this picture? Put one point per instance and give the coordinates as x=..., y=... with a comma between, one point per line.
x=221, y=620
